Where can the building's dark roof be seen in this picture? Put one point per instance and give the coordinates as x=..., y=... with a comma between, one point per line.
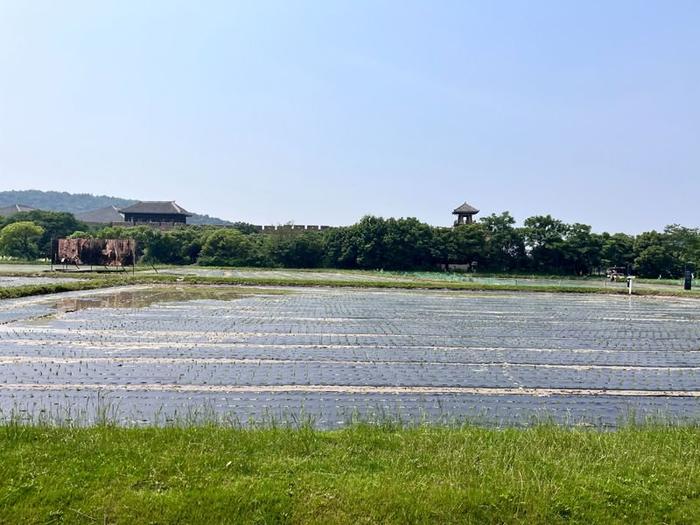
x=157, y=208
x=15, y=208
x=465, y=209
x=101, y=216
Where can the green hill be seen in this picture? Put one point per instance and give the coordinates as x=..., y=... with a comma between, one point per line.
x=78, y=203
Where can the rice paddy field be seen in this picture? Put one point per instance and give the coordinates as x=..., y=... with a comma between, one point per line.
x=183, y=403
x=162, y=354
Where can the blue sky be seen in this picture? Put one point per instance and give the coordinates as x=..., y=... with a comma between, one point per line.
x=323, y=111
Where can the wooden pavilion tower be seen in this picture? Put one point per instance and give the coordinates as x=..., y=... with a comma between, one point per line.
x=465, y=214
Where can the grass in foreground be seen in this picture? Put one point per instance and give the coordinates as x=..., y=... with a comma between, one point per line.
x=358, y=475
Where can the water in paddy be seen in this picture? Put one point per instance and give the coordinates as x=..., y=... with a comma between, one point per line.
x=144, y=297
x=42, y=309
x=165, y=354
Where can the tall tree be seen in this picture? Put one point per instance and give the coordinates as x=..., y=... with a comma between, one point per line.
x=544, y=237
x=582, y=249
x=505, y=244
x=467, y=245
x=407, y=243
x=21, y=239
x=655, y=256
x=55, y=225
x=684, y=244
x=295, y=250
x=340, y=250
x=228, y=247
x=617, y=249
x=368, y=237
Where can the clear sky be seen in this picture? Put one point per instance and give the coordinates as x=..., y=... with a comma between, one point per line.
x=323, y=111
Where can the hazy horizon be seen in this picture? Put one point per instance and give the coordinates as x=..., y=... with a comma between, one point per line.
x=322, y=112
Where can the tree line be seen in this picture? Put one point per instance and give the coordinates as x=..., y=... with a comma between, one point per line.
x=542, y=244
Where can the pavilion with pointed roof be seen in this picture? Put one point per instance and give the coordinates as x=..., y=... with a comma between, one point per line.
x=465, y=214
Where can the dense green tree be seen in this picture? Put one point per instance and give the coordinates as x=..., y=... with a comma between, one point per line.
x=340, y=251
x=617, y=250
x=378, y=243
x=656, y=261
x=245, y=227
x=407, y=244
x=655, y=256
x=55, y=225
x=684, y=245
x=443, y=246
x=582, y=249
x=177, y=246
x=80, y=235
x=163, y=248
x=140, y=234
x=368, y=237
x=543, y=244
x=21, y=240
x=505, y=244
x=295, y=250
x=467, y=244
x=544, y=237
x=190, y=242
x=228, y=247
x=143, y=235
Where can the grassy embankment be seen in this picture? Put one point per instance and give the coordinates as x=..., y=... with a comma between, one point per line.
x=94, y=281
x=361, y=474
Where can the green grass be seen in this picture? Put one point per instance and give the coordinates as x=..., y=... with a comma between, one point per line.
x=413, y=281
x=362, y=474
x=15, y=292
x=94, y=281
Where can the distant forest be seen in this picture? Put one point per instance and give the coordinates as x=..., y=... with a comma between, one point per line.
x=543, y=245
x=77, y=203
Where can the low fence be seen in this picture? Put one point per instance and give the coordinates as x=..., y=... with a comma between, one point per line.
x=290, y=227
x=154, y=225
x=272, y=228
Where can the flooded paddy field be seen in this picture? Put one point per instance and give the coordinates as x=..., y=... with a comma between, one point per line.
x=143, y=355
x=11, y=282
